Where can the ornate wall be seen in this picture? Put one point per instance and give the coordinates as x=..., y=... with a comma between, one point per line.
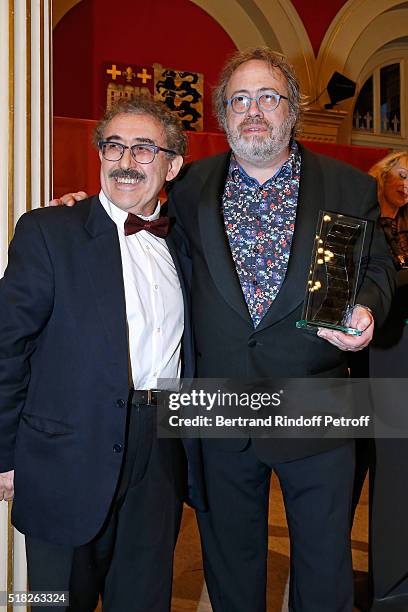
x=336, y=35
x=25, y=174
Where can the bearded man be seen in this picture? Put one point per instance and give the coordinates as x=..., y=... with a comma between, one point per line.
x=250, y=216
x=94, y=308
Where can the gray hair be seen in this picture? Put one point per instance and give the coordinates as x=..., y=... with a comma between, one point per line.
x=275, y=61
x=176, y=139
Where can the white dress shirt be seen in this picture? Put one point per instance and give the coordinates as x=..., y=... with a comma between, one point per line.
x=154, y=302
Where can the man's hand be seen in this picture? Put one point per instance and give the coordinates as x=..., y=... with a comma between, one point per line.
x=7, y=485
x=69, y=199
x=361, y=319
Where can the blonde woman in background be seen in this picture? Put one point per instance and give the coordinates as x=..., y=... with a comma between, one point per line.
x=392, y=179
x=388, y=359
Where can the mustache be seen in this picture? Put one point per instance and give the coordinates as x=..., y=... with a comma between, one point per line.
x=130, y=173
x=254, y=121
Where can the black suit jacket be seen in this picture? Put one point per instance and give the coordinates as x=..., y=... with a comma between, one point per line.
x=227, y=344
x=64, y=370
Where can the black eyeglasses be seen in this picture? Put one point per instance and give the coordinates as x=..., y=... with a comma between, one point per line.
x=143, y=153
x=266, y=101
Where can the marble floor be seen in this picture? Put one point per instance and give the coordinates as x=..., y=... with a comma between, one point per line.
x=189, y=593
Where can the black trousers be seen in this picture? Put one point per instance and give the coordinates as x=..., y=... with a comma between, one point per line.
x=130, y=561
x=317, y=493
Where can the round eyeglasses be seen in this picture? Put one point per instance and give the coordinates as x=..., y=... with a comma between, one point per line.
x=143, y=153
x=266, y=101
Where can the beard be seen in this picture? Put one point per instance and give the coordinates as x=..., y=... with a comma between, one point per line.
x=256, y=149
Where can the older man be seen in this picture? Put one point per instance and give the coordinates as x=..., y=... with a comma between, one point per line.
x=93, y=306
x=250, y=216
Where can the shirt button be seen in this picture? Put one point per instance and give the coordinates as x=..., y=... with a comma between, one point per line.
x=121, y=403
x=147, y=247
x=155, y=287
x=117, y=448
x=158, y=330
x=255, y=282
x=252, y=342
x=154, y=373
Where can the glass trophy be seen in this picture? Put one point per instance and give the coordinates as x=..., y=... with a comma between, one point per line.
x=332, y=284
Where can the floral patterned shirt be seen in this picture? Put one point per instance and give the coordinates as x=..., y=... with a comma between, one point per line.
x=259, y=222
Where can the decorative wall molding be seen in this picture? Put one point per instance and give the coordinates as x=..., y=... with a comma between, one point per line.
x=249, y=23
x=395, y=53
x=60, y=8
x=345, y=31
x=322, y=125
x=293, y=40
x=383, y=30
x=25, y=177
x=4, y=128
x=358, y=32
x=359, y=29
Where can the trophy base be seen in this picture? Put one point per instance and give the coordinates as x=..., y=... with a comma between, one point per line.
x=313, y=325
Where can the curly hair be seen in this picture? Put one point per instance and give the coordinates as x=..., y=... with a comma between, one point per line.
x=176, y=139
x=275, y=61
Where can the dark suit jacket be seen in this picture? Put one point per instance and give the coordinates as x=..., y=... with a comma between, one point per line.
x=64, y=370
x=227, y=344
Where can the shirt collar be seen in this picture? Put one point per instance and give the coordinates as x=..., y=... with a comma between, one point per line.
x=119, y=216
x=237, y=172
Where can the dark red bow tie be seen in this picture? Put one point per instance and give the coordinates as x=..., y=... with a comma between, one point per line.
x=159, y=227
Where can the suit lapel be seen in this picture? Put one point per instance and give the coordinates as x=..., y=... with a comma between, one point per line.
x=103, y=260
x=310, y=201
x=215, y=242
x=183, y=267
x=171, y=245
x=181, y=273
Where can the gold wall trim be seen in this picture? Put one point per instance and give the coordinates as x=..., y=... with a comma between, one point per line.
x=61, y=8
x=10, y=186
x=28, y=106
x=50, y=103
x=42, y=143
x=345, y=30
x=10, y=556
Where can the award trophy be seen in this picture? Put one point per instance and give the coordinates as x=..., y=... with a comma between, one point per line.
x=332, y=285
